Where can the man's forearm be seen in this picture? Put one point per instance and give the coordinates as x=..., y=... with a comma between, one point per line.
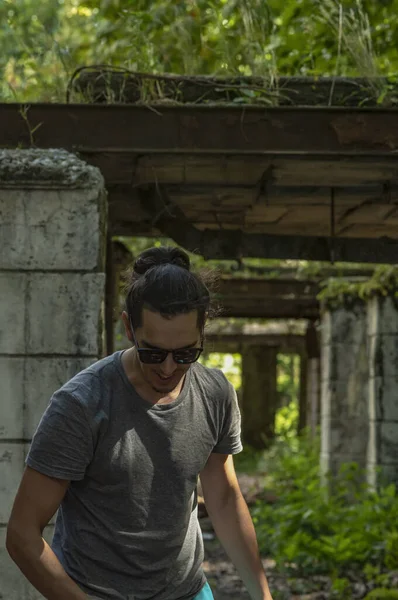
x=234, y=528
x=42, y=568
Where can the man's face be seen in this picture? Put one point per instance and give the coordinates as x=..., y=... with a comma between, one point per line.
x=175, y=333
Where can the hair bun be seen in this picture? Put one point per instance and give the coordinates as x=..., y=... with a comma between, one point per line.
x=164, y=255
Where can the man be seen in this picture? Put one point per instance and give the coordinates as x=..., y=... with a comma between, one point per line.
x=119, y=451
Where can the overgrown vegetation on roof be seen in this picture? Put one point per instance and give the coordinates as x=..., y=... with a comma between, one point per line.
x=41, y=44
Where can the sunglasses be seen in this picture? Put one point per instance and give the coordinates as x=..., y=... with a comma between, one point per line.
x=155, y=356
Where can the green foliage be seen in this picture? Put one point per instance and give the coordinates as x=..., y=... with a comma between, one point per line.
x=230, y=365
x=288, y=377
x=249, y=460
x=339, y=291
x=391, y=560
x=319, y=529
x=254, y=461
x=374, y=575
x=286, y=421
x=341, y=588
x=382, y=594
x=41, y=43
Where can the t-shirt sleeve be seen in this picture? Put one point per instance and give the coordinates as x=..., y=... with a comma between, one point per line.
x=229, y=439
x=62, y=445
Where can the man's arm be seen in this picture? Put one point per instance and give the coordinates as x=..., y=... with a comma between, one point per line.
x=232, y=522
x=36, y=502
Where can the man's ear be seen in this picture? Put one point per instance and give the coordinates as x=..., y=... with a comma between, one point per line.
x=127, y=327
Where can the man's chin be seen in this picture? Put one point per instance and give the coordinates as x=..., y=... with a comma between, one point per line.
x=166, y=387
x=164, y=390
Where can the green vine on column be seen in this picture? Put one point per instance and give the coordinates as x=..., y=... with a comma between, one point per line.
x=338, y=292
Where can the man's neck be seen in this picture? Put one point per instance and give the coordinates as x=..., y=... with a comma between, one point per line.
x=130, y=362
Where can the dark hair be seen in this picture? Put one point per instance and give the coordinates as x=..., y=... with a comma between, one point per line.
x=161, y=280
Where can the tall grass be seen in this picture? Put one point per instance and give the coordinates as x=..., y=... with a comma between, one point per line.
x=213, y=37
x=352, y=29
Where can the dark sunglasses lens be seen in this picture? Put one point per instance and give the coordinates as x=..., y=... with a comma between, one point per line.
x=151, y=357
x=186, y=356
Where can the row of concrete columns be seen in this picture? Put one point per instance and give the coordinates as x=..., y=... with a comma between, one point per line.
x=350, y=389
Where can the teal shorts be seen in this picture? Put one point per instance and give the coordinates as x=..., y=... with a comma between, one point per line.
x=205, y=593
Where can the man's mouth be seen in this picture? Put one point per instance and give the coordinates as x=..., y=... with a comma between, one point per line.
x=165, y=377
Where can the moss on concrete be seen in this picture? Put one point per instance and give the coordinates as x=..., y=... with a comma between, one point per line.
x=339, y=292
x=46, y=168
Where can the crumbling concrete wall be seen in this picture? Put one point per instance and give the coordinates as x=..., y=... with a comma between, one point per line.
x=52, y=263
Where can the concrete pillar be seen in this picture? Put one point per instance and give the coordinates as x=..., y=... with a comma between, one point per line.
x=313, y=394
x=259, y=395
x=52, y=250
x=344, y=399
x=313, y=378
x=303, y=394
x=383, y=386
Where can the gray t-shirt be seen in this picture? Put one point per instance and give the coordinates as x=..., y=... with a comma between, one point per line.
x=127, y=527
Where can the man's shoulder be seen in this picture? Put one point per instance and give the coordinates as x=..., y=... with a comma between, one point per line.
x=210, y=379
x=88, y=385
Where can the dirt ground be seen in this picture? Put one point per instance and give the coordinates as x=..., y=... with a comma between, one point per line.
x=227, y=585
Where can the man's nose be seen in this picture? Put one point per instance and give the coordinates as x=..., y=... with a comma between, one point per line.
x=168, y=365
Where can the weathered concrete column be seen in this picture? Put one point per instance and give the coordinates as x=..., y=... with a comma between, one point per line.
x=303, y=394
x=52, y=250
x=313, y=378
x=383, y=386
x=344, y=401
x=259, y=395
x=313, y=394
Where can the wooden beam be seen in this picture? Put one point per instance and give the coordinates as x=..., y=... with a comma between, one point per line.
x=84, y=128
x=268, y=299
x=234, y=345
x=234, y=244
x=251, y=288
x=225, y=170
x=230, y=197
x=271, y=309
x=290, y=273
x=233, y=337
x=199, y=204
x=228, y=244
x=237, y=131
